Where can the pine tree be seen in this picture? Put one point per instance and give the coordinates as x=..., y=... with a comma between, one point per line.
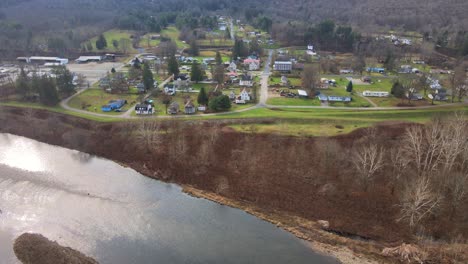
x=349, y=87
x=23, y=85
x=218, y=58
x=202, y=97
x=194, y=50
x=173, y=66
x=48, y=94
x=196, y=74
x=101, y=42
x=148, y=80
x=64, y=80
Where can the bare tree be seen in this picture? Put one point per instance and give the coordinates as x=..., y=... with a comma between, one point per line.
x=368, y=160
x=148, y=134
x=419, y=200
x=310, y=79
x=459, y=82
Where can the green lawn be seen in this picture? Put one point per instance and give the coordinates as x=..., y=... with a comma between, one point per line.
x=312, y=128
x=215, y=42
x=173, y=33
x=147, y=42
x=111, y=35
x=92, y=99
x=293, y=101
x=59, y=109
x=292, y=81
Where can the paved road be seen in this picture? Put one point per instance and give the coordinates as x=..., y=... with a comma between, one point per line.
x=264, y=81
x=232, y=30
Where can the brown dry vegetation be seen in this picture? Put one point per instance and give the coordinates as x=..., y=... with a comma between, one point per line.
x=36, y=249
x=374, y=185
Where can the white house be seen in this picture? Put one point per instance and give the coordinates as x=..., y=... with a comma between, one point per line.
x=375, y=94
x=244, y=95
x=232, y=66
x=246, y=80
x=144, y=109
x=254, y=66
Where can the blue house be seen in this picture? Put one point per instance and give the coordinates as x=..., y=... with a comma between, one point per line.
x=344, y=99
x=376, y=70
x=113, y=105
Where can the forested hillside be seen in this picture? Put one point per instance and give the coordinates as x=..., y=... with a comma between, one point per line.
x=28, y=24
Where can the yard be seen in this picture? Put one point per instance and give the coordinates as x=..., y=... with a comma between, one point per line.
x=173, y=33
x=283, y=101
x=92, y=99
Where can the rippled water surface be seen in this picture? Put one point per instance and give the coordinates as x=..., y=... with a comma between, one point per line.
x=116, y=215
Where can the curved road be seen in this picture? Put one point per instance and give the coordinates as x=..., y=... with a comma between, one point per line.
x=261, y=104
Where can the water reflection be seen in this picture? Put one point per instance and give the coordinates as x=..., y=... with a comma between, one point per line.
x=118, y=216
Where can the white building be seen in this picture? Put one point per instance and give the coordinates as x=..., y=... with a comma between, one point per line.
x=283, y=66
x=244, y=96
x=43, y=60
x=85, y=59
x=375, y=94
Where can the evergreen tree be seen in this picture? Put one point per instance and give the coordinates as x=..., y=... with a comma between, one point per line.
x=196, y=74
x=23, y=85
x=194, y=50
x=113, y=70
x=398, y=90
x=349, y=87
x=48, y=94
x=137, y=64
x=227, y=33
x=173, y=66
x=218, y=58
x=148, y=80
x=64, y=80
x=202, y=97
x=101, y=42
x=166, y=100
x=220, y=103
x=115, y=43
x=219, y=74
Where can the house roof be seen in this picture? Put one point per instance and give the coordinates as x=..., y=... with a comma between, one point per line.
x=302, y=92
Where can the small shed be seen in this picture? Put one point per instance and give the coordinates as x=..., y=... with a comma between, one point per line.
x=173, y=108
x=189, y=108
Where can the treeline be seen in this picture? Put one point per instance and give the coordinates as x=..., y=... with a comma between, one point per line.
x=45, y=88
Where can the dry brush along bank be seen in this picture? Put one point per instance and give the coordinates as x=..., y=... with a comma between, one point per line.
x=377, y=187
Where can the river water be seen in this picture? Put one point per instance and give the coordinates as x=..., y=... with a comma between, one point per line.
x=116, y=215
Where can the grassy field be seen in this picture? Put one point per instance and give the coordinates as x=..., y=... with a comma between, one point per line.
x=58, y=109
x=281, y=101
x=312, y=128
x=292, y=81
x=92, y=99
x=111, y=35
x=215, y=42
x=147, y=42
x=173, y=33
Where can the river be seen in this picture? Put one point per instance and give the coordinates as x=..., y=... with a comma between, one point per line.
x=117, y=215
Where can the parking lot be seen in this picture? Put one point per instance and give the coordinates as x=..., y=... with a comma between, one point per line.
x=94, y=71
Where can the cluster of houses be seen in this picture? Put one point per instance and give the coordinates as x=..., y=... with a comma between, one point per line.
x=397, y=41
x=189, y=108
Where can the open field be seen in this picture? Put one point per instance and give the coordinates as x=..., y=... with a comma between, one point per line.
x=173, y=33
x=111, y=35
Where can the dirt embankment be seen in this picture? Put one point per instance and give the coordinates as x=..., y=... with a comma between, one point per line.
x=37, y=249
x=292, y=182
